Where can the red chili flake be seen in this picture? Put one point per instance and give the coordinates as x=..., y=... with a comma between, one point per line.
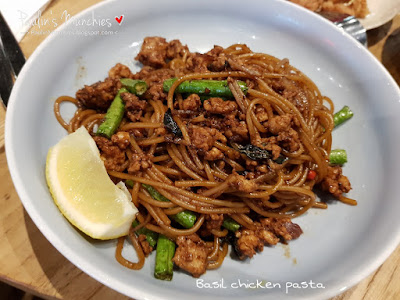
x=311, y=175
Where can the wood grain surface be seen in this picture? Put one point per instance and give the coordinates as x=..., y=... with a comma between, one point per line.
x=28, y=261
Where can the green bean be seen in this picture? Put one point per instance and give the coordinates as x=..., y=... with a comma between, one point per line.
x=129, y=183
x=338, y=157
x=165, y=252
x=154, y=193
x=114, y=116
x=137, y=87
x=151, y=236
x=212, y=88
x=342, y=115
x=186, y=218
x=231, y=224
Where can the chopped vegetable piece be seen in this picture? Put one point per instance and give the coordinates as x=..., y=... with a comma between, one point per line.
x=129, y=183
x=281, y=159
x=164, y=254
x=151, y=236
x=212, y=88
x=114, y=116
x=256, y=153
x=137, y=87
x=338, y=157
x=311, y=175
x=253, y=152
x=186, y=218
x=170, y=124
x=231, y=224
x=154, y=193
x=342, y=115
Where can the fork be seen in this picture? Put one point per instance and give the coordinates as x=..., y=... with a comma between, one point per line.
x=349, y=24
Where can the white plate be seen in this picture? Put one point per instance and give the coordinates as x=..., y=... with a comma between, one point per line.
x=381, y=11
x=339, y=247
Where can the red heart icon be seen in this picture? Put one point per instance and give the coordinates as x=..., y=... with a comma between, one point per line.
x=119, y=20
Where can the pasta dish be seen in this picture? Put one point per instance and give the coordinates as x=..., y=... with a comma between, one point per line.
x=225, y=147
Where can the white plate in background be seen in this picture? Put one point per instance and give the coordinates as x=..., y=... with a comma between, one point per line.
x=381, y=11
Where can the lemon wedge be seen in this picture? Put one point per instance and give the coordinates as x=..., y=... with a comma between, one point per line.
x=83, y=191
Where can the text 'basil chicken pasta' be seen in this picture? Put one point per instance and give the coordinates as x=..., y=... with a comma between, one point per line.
x=225, y=147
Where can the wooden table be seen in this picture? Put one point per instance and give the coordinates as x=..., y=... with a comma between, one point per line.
x=29, y=262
